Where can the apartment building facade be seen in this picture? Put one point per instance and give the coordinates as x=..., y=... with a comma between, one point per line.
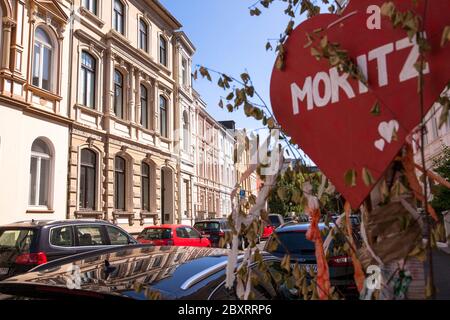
x=34, y=115
x=435, y=138
x=215, y=169
x=98, y=117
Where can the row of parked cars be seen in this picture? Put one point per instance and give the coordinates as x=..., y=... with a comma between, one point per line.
x=36, y=257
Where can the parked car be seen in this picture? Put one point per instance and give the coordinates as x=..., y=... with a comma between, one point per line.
x=275, y=220
x=214, y=230
x=173, y=235
x=26, y=244
x=302, y=251
x=134, y=272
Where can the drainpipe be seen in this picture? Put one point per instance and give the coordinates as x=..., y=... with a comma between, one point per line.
x=69, y=107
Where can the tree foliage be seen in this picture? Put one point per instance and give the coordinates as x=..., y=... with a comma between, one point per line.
x=441, y=199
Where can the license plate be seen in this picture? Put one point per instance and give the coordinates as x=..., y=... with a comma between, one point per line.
x=4, y=271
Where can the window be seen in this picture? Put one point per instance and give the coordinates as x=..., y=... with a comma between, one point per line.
x=61, y=237
x=186, y=197
x=90, y=5
x=162, y=51
x=143, y=35
x=88, y=179
x=144, y=107
x=163, y=116
x=119, y=16
x=184, y=72
x=88, y=66
x=119, y=183
x=42, y=60
x=182, y=233
x=39, y=173
x=145, y=187
x=193, y=234
x=117, y=237
x=185, y=131
x=90, y=236
x=118, y=94
x=16, y=240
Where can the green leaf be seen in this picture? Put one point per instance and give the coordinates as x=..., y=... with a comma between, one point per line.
x=367, y=177
x=230, y=96
x=376, y=110
x=445, y=36
x=350, y=178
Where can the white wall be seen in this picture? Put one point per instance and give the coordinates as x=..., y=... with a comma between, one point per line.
x=17, y=133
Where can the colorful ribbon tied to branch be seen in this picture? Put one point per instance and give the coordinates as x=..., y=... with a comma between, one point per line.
x=313, y=234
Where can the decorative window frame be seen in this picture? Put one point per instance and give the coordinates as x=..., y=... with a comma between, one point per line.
x=95, y=18
x=55, y=60
x=125, y=17
x=98, y=176
x=150, y=111
x=125, y=94
x=167, y=96
x=168, y=51
x=149, y=33
x=129, y=174
x=51, y=178
x=97, y=54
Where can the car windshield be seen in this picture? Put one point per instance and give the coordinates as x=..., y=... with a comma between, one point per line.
x=274, y=221
x=156, y=233
x=207, y=226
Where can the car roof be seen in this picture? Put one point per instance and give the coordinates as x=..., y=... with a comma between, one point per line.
x=178, y=273
x=299, y=227
x=42, y=223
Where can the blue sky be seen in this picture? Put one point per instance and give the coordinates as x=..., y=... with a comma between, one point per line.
x=229, y=40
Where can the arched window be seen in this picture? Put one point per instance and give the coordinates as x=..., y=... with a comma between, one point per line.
x=119, y=16
x=162, y=51
x=163, y=116
x=145, y=187
x=144, y=107
x=91, y=5
x=42, y=59
x=185, y=131
x=88, y=179
x=118, y=94
x=119, y=183
x=143, y=35
x=40, y=173
x=87, y=81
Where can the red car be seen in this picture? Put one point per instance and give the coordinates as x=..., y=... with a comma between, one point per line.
x=173, y=235
x=275, y=221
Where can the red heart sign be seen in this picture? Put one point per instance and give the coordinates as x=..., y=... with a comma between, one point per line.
x=329, y=114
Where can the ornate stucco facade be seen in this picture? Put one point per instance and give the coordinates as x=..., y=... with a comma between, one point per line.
x=98, y=117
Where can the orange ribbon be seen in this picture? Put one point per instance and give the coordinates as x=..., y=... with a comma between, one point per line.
x=409, y=165
x=313, y=234
x=359, y=275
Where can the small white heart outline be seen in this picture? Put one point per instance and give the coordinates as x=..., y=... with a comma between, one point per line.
x=386, y=129
x=379, y=144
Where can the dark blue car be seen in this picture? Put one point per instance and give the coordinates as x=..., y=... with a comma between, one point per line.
x=292, y=240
